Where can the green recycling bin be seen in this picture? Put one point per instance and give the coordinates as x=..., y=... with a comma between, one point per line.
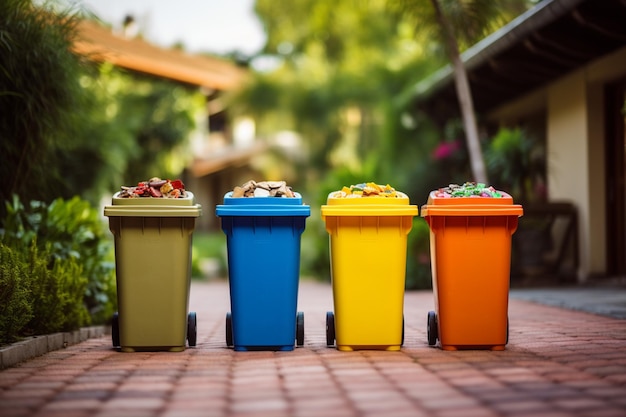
x=153, y=272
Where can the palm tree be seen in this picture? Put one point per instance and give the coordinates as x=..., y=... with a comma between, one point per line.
x=455, y=20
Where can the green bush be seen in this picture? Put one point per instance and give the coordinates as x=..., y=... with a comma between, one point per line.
x=40, y=96
x=58, y=289
x=16, y=307
x=69, y=231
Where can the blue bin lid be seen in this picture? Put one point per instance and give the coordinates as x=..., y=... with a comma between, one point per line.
x=262, y=206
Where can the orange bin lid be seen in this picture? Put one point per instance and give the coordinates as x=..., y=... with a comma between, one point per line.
x=471, y=206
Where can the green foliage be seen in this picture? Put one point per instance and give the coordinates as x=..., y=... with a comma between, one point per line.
x=39, y=294
x=208, y=247
x=71, y=127
x=470, y=20
x=419, y=273
x=39, y=97
x=516, y=163
x=16, y=305
x=68, y=230
x=343, y=64
x=134, y=128
x=58, y=287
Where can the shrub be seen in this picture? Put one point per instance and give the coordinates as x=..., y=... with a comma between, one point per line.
x=58, y=289
x=16, y=308
x=69, y=231
x=39, y=96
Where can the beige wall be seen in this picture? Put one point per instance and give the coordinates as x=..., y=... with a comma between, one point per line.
x=575, y=142
x=568, y=164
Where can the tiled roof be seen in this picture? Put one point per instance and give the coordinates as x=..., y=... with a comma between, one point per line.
x=101, y=44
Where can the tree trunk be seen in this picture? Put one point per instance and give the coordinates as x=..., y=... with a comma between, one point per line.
x=464, y=95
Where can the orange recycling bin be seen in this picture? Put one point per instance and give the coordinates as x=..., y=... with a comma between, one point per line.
x=470, y=246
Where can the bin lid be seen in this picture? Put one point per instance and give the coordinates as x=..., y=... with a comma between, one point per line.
x=262, y=206
x=471, y=206
x=153, y=207
x=369, y=206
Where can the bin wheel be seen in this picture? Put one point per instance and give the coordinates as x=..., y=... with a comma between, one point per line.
x=115, y=330
x=300, y=328
x=330, y=328
x=402, y=340
x=432, y=329
x=229, y=330
x=192, y=328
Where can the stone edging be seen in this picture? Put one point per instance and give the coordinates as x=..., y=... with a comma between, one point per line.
x=35, y=346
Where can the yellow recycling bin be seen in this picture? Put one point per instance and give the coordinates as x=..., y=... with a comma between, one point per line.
x=153, y=272
x=368, y=246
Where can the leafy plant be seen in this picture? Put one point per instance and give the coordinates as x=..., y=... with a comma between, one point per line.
x=16, y=307
x=67, y=230
x=39, y=97
x=58, y=288
x=516, y=162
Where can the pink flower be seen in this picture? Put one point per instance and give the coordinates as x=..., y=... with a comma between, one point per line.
x=445, y=150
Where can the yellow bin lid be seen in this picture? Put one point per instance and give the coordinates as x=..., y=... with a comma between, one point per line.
x=471, y=206
x=368, y=206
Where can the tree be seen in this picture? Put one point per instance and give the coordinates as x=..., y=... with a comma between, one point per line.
x=39, y=95
x=468, y=20
x=339, y=61
x=465, y=96
x=70, y=126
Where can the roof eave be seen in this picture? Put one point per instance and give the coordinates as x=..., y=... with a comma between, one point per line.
x=533, y=19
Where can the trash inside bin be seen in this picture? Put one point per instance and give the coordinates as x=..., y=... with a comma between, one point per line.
x=153, y=238
x=470, y=244
x=368, y=226
x=263, y=236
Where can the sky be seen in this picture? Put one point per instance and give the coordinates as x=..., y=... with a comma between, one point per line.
x=213, y=26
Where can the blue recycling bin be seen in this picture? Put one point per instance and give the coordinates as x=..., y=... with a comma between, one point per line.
x=263, y=242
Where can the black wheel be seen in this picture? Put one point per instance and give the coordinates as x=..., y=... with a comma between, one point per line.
x=229, y=330
x=330, y=328
x=431, y=328
x=192, y=328
x=300, y=328
x=402, y=340
x=115, y=330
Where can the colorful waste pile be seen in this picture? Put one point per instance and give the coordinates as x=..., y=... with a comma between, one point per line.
x=263, y=189
x=369, y=189
x=469, y=189
x=155, y=187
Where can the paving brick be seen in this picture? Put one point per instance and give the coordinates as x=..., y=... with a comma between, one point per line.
x=573, y=364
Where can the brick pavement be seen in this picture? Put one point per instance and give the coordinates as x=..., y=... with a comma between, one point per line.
x=557, y=363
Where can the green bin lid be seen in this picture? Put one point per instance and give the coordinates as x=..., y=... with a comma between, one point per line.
x=153, y=207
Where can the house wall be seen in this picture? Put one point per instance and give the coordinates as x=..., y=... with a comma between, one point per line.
x=568, y=166
x=575, y=139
